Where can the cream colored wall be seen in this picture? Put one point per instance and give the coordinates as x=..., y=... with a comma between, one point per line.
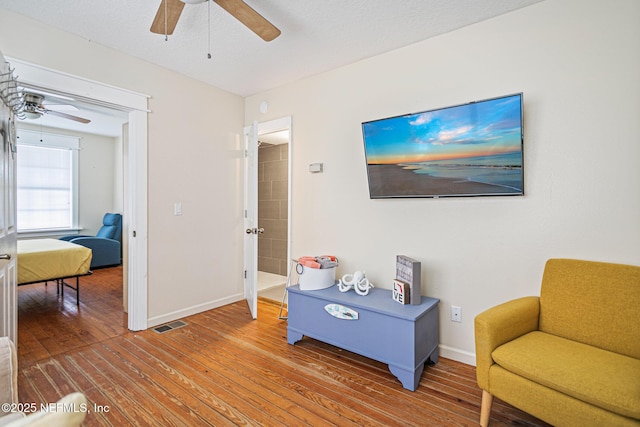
x=118, y=172
x=96, y=181
x=194, y=260
x=577, y=63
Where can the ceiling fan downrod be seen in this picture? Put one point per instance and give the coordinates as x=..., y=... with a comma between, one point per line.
x=209, y=28
x=166, y=37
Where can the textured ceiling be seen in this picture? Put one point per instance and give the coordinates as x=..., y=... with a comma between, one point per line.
x=317, y=35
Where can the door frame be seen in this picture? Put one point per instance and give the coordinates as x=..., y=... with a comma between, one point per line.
x=135, y=166
x=276, y=125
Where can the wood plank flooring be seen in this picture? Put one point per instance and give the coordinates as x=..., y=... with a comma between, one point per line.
x=221, y=369
x=49, y=325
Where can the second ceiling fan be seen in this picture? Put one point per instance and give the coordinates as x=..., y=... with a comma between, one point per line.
x=170, y=10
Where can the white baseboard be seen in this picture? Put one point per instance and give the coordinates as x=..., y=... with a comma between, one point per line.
x=179, y=314
x=457, y=355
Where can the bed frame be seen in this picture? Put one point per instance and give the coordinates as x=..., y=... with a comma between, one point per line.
x=60, y=284
x=45, y=260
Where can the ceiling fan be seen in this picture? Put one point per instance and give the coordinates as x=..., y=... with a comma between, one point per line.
x=34, y=109
x=165, y=23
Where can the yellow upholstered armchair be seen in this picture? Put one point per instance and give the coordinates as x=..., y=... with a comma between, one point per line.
x=571, y=356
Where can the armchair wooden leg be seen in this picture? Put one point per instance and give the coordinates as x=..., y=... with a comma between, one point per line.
x=485, y=408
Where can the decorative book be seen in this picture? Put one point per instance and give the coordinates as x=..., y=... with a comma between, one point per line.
x=401, y=292
x=408, y=271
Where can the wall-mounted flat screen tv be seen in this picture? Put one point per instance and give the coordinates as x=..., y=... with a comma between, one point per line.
x=473, y=149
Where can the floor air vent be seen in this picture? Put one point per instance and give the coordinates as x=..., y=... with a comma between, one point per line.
x=169, y=326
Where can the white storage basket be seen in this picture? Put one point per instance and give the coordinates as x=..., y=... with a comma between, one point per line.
x=312, y=279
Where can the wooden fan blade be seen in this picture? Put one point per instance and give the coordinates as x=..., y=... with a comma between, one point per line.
x=174, y=9
x=250, y=18
x=67, y=116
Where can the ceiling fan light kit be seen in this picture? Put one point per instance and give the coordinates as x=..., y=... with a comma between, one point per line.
x=33, y=109
x=169, y=13
x=31, y=115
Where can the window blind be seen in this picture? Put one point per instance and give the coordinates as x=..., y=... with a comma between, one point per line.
x=45, y=184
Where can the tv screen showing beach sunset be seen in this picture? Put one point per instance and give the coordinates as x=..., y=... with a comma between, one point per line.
x=473, y=149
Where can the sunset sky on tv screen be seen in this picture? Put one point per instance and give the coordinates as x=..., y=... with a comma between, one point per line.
x=485, y=128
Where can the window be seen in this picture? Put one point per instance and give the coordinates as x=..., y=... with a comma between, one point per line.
x=47, y=182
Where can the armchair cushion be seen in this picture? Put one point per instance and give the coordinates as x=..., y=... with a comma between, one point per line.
x=111, y=226
x=8, y=372
x=70, y=411
x=105, y=252
x=594, y=303
x=590, y=374
x=11, y=418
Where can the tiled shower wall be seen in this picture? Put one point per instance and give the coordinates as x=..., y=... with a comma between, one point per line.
x=272, y=208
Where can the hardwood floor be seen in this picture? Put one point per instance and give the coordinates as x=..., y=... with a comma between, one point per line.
x=221, y=369
x=49, y=325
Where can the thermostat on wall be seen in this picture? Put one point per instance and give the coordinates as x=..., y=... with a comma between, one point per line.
x=315, y=167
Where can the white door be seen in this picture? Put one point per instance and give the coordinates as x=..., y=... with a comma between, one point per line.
x=251, y=229
x=8, y=229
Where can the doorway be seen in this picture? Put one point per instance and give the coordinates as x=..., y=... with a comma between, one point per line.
x=134, y=105
x=273, y=187
x=96, y=186
x=273, y=213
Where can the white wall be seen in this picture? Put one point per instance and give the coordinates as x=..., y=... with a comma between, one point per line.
x=96, y=181
x=118, y=172
x=194, y=260
x=577, y=63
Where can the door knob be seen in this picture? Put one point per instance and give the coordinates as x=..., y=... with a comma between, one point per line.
x=5, y=256
x=255, y=230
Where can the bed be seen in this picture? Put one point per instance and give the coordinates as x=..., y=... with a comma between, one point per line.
x=42, y=260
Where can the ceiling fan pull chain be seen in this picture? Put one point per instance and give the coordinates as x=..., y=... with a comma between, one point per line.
x=209, y=27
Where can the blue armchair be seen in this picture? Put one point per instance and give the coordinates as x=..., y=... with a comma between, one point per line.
x=105, y=246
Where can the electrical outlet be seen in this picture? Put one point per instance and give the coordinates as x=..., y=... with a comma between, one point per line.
x=456, y=314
